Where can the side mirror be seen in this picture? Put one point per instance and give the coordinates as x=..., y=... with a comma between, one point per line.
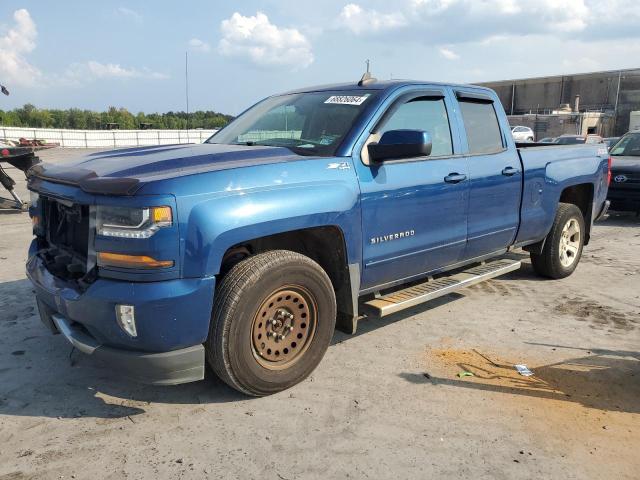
x=400, y=144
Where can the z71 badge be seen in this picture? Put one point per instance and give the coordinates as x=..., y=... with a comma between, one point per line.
x=392, y=236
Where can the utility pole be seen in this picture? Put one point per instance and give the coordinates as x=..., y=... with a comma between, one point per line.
x=615, y=109
x=513, y=96
x=186, y=82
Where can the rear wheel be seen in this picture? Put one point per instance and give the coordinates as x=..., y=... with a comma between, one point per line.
x=273, y=318
x=563, y=246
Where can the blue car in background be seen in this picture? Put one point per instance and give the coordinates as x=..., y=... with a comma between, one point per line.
x=310, y=210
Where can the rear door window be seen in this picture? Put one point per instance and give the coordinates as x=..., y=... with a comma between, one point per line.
x=482, y=127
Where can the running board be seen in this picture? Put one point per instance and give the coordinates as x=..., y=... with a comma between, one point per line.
x=394, y=302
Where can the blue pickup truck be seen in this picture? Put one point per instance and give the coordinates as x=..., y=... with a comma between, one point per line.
x=311, y=210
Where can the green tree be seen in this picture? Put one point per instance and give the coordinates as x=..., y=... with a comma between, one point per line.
x=30, y=116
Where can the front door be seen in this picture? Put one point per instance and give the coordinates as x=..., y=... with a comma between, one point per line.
x=414, y=211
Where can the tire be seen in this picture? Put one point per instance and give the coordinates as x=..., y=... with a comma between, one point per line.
x=551, y=262
x=263, y=298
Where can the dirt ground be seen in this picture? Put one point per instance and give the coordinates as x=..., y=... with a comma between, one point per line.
x=387, y=402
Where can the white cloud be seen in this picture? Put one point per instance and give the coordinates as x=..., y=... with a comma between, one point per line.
x=359, y=20
x=15, y=69
x=101, y=70
x=83, y=73
x=16, y=43
x=492, y=17
x=259, y=41
x=614, y=19
x=581, y=64
x=448, y=54
x=199, y=45
x=130, y=14
x=460, y=21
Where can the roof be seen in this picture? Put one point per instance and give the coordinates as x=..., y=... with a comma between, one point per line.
x=376, y=85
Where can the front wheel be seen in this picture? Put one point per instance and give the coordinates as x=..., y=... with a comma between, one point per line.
x=273, y=318
x=563, y=246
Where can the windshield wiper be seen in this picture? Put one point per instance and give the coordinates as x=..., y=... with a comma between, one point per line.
x=260, y=143
x=306, y=152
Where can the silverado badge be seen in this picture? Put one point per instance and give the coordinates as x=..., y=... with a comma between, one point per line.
x=392, y=236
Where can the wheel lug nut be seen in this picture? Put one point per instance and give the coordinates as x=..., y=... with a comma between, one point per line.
x=290, y=328
x=281, y=337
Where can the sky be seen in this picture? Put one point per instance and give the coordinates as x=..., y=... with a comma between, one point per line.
x=131, y=53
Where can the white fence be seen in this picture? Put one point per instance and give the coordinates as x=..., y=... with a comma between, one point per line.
x=105, y=138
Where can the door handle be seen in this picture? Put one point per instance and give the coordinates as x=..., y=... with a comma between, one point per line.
x=455, y=178
x=510, y=171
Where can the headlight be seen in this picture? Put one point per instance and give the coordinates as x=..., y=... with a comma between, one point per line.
x=127, y=222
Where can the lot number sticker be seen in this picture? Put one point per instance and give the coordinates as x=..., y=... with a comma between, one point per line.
x=346, y=99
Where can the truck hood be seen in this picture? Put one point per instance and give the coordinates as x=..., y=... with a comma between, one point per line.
x=124, y=171
x=625, y=164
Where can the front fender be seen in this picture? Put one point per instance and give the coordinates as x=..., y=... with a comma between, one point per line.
x=217, y=223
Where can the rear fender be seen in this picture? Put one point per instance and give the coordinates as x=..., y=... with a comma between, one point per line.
x=544, y=187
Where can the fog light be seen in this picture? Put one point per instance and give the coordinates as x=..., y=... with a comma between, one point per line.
x=126, y=316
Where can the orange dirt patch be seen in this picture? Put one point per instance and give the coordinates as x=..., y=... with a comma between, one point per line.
x=589, y=404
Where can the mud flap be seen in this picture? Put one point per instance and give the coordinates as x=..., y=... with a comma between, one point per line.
x=347, y=296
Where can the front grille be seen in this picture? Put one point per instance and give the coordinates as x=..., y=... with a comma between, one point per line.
x=65, y=238
x=629, y=178
x=68, y=227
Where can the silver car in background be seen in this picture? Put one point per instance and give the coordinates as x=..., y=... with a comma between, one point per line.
x=522, y=134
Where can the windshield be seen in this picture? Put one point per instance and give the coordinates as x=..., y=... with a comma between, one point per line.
x=628, y=145
x=306, y=123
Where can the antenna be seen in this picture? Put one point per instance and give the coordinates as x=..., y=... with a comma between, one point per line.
x=367, y=78
x=186, y=81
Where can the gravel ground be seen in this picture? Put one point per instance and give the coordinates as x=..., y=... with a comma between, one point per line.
x=387, y=402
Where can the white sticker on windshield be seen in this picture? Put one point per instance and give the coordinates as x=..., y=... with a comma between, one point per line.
x=346, y=99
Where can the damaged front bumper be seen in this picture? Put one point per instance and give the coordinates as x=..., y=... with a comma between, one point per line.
x=172, y=321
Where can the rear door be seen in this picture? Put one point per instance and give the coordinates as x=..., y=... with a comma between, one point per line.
x=414, y=211
x=495, y=175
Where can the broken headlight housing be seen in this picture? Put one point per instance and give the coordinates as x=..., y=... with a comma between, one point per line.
x=125, y=222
